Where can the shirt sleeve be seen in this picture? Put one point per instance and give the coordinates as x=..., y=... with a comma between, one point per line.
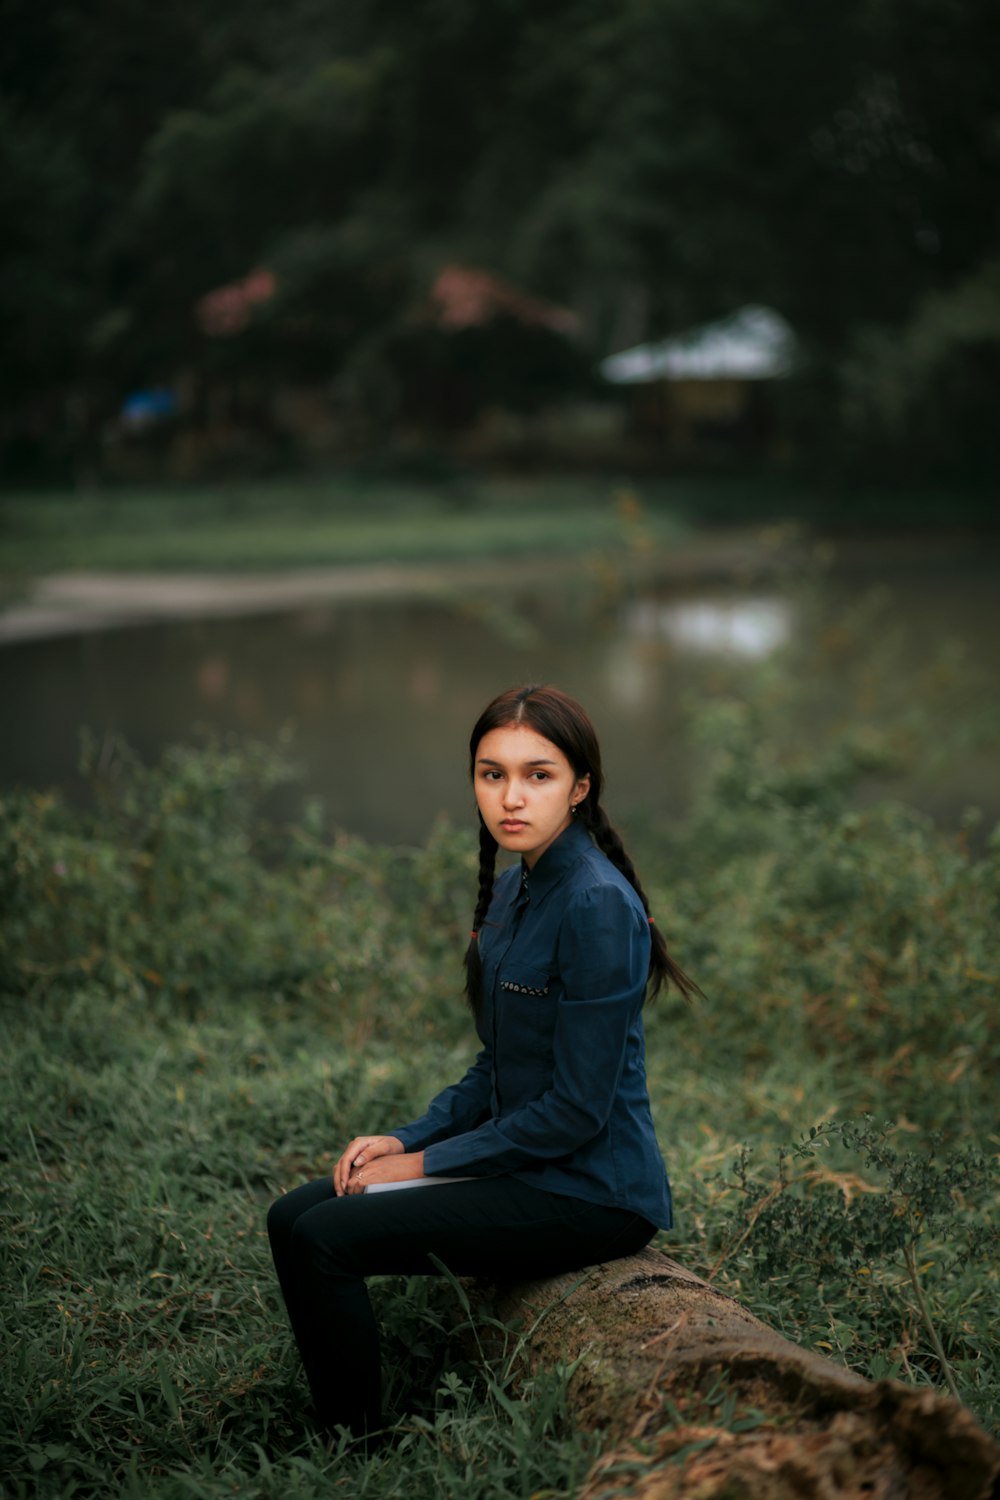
x=456, y=1110
x=603, y=960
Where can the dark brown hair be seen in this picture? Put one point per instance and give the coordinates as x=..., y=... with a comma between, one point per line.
x=562, y=720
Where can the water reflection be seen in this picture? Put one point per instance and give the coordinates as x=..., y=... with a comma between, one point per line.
x=381, y=695
x=752, y=628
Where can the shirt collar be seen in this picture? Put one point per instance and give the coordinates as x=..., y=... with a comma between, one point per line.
x=558, y=858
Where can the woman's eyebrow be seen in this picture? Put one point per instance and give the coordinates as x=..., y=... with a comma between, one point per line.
x=484, y=760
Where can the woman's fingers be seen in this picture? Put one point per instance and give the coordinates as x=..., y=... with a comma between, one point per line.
x=391, y=1167
x=342, y=1168
x=363, y=1148
x=377, y=1145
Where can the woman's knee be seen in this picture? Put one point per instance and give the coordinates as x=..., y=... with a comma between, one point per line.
x=321, y=1243
x=285, y=1211
x=279, y=1220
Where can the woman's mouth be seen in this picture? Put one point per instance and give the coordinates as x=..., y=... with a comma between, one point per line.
x=512, y=825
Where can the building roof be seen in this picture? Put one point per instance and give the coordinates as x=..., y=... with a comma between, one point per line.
x=754, y=343
x=227, y=309
x=466, y=297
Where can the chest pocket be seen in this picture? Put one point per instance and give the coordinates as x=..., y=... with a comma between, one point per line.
x=524, y=982
x=525, y=1011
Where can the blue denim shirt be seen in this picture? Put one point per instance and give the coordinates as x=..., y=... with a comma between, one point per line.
x=557, y=1096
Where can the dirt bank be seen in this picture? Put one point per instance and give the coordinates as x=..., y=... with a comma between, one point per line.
x=72, y=603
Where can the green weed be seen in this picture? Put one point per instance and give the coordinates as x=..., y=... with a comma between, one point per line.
x=339, y=521
x=199, y=1009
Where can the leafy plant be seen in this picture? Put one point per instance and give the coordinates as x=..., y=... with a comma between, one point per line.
x=198, y=1009
x=925, y=1213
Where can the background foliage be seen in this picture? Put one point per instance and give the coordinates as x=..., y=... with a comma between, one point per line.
x=199, y=1007
x=650, y=169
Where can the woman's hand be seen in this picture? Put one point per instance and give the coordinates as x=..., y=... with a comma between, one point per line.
x=364, y=1148
x=392, y=1168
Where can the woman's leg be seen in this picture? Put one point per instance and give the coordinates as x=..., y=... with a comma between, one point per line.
x=324, y=1246
x=331, y=1315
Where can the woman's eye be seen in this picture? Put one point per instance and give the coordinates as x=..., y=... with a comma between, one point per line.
x=541, y=775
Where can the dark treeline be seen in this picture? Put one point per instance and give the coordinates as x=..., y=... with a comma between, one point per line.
x=647, y=166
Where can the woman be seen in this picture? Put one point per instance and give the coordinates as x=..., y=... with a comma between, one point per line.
x=550, y=1131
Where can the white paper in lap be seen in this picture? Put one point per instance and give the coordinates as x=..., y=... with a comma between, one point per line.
x=413, y=1182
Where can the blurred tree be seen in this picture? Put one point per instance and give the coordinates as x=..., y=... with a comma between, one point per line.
x=82, y=86
x=724, y=152
x=651, y=165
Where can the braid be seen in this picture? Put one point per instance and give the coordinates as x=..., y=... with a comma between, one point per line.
x=487, y=870
x=662, y=968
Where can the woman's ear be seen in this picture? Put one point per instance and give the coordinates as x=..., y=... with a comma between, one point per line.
x=580, y=790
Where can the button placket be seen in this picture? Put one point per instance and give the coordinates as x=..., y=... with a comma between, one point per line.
x=517, y=911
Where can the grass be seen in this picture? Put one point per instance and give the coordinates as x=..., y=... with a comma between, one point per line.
x=198, y=1010
x=311, y=524
x=349, y=519
x=144, y=1343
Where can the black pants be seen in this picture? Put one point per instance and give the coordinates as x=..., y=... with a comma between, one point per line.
x=324, y=1247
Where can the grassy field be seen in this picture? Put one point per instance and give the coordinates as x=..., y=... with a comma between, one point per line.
x=199, y=1009
x=354, y=519
x=336, y=522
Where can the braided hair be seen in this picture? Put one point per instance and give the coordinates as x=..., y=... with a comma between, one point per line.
x=562, y=721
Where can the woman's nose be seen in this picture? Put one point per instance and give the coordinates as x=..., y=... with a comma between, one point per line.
x=513, y=795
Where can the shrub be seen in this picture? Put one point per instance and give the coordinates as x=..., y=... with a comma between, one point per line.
x=200, y=1008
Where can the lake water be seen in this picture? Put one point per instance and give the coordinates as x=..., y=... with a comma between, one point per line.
x=379, y=697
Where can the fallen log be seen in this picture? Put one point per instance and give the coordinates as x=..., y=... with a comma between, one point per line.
x=699, y=1400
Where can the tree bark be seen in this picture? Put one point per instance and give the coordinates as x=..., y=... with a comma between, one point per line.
x=699, y=1400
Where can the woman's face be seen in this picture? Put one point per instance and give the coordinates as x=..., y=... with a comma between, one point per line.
x=526, y=789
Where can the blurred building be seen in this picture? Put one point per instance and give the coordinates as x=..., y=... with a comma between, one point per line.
x=710, y=389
